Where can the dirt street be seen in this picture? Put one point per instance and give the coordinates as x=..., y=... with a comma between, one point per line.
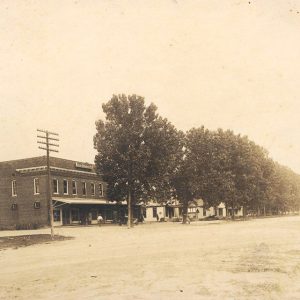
x=256, y=259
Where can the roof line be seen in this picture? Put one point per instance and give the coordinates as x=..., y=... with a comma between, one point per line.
x=44, y=156
x=42, y=168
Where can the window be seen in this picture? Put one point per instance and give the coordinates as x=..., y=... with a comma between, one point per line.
x=56, y=215
x=55, y=186
x=75, y=214
x=36, y=186
x=14, y=206
x=100, y=190
x=66, y=187
x=154, y=212
x=84, y=188
x=37, y=205
x=14, y=188
x=109, y=214
x=74, y=187
x=94, y=214
x=93, y=189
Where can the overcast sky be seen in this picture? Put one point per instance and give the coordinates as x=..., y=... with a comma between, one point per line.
x=229, y=64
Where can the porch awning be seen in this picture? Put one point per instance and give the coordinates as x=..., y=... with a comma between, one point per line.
x=89, y=201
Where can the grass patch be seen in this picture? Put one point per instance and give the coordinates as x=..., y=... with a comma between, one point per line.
x=16, y=242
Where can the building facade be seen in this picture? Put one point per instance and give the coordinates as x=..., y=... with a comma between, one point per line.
x=173, y=210
x=78, y=197
x=78, y=193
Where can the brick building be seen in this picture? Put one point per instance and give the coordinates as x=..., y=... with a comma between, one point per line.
x=78, y=193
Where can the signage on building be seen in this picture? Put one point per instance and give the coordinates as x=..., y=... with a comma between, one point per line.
x=84, y=166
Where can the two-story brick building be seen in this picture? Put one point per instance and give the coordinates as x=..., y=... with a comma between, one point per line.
x=78, y=193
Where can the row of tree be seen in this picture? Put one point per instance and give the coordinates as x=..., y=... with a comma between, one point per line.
x=142, y=156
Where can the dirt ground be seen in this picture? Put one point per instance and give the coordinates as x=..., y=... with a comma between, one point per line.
x=256, y=259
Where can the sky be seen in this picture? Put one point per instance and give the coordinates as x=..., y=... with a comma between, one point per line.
x=221, y=64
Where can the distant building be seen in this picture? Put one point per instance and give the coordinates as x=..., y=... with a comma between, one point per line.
x=173, y=210
x=154, y=212
x=78, y=193
x=197, y=210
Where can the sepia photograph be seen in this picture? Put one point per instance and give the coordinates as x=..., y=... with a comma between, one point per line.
x=150, y=149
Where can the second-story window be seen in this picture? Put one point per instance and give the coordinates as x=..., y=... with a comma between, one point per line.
x=14, y=188
x=74, y=187
x=84, y=188
x=55, y=186
x=100, y=190
x=36, y=186
x=93, y=189
x=66, y=187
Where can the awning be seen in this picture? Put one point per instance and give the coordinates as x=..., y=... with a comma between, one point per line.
x=89, y=201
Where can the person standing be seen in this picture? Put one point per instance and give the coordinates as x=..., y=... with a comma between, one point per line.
x=99, y=220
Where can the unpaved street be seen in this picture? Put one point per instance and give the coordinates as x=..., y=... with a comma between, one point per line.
x=256, y=259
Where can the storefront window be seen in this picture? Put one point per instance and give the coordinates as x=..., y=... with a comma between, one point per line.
x=75, y=214
x=56, y=215
x=94, y=214
x=109, y=214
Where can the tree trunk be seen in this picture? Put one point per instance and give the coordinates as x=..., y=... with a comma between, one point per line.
x=129, y=221
x=184, y=211
x=264, y=210
x=244, y=212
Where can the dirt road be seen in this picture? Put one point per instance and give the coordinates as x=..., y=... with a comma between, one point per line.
x=257, y=259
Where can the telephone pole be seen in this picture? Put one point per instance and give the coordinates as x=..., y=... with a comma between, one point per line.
x=47, y=138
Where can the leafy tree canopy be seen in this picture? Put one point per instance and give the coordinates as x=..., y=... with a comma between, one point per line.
x=137, y=149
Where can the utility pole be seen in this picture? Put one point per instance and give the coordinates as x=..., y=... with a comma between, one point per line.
x=47, y=137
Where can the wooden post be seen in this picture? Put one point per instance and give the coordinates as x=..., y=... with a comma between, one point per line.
x=49, y=188
x=46, y=141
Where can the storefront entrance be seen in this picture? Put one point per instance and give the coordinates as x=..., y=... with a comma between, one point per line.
x=85, y=212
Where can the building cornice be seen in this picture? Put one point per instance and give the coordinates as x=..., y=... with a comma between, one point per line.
x=54, y=169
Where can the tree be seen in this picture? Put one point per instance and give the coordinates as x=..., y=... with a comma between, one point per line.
x=219, y=166
x=143, y=156
x=284, y=190
x=199, y=171
x=137, y=151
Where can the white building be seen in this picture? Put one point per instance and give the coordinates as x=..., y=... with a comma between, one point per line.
x=172, y=210
x=155, y=212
